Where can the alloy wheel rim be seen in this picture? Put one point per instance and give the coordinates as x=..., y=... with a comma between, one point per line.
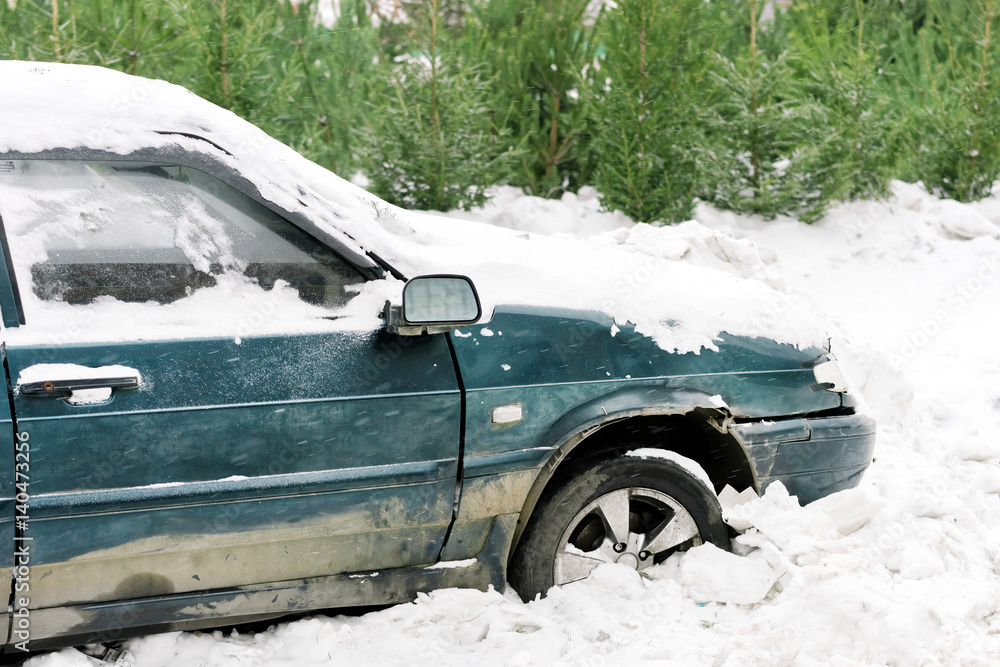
x=637, y=527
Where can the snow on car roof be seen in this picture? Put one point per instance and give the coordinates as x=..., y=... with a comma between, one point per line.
x=48, y=106
x=657, y=278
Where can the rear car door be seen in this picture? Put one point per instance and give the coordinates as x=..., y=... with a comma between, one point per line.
x=208, y=397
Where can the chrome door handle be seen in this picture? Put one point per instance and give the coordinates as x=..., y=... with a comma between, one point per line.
x=65, y=388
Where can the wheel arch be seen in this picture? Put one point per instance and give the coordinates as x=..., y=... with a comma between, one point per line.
x=688, y=423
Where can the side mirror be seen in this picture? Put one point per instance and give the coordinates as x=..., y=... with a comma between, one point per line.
x=434, y=304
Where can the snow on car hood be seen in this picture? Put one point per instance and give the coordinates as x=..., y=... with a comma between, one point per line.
x=660, y=279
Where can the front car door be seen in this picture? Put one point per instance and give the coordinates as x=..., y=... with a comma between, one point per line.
x=208, y=395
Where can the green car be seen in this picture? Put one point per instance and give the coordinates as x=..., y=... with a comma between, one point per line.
x=230, y=400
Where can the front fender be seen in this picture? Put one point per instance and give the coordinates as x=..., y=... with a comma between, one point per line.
x=636, y=401
x=588, y=418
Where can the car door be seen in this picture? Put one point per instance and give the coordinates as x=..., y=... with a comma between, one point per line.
x=207, y=393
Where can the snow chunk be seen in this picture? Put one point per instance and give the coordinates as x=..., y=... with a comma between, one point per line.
x=948, y=217
x=89, y=396
x=689, y=465
x=733, y=506
x=655, y=278
x=450, y=564
x=709, y=574
x=43, y=372
x=718, y=402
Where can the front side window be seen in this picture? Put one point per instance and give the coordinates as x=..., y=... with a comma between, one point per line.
x=101, y=232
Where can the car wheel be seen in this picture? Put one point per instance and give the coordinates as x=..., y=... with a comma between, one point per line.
x=629, y=510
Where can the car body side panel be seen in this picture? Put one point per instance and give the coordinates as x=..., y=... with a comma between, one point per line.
x=485, y=496
x=570, y=371
x=565, y=372
x=560, y=344
x=269, y=459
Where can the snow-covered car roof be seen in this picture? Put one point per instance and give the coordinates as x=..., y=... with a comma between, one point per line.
x=644, y=275
x=50, y=106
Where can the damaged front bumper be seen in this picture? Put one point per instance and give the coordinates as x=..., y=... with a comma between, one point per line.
x=812, y=456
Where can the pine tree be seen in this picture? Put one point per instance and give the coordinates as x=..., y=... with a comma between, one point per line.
x=44, y=30
x=910, y=80
x=429, y=142
x=839, y=43
x=326, y=76
x=765, y=131
x=227, y=52
x=646, y=110
x=757, y=112
x=534, y=52
x=960, y=153
x=136, y=36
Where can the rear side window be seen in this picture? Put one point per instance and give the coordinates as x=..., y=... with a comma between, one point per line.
x=82, y=232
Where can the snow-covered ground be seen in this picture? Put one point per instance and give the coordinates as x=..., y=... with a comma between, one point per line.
x=903, y=570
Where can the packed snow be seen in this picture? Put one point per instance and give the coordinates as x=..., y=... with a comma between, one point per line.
x=43, y=372
x=903, y=570
x=684, y=462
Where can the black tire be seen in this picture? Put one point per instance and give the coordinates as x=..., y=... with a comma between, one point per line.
x=573, y=526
